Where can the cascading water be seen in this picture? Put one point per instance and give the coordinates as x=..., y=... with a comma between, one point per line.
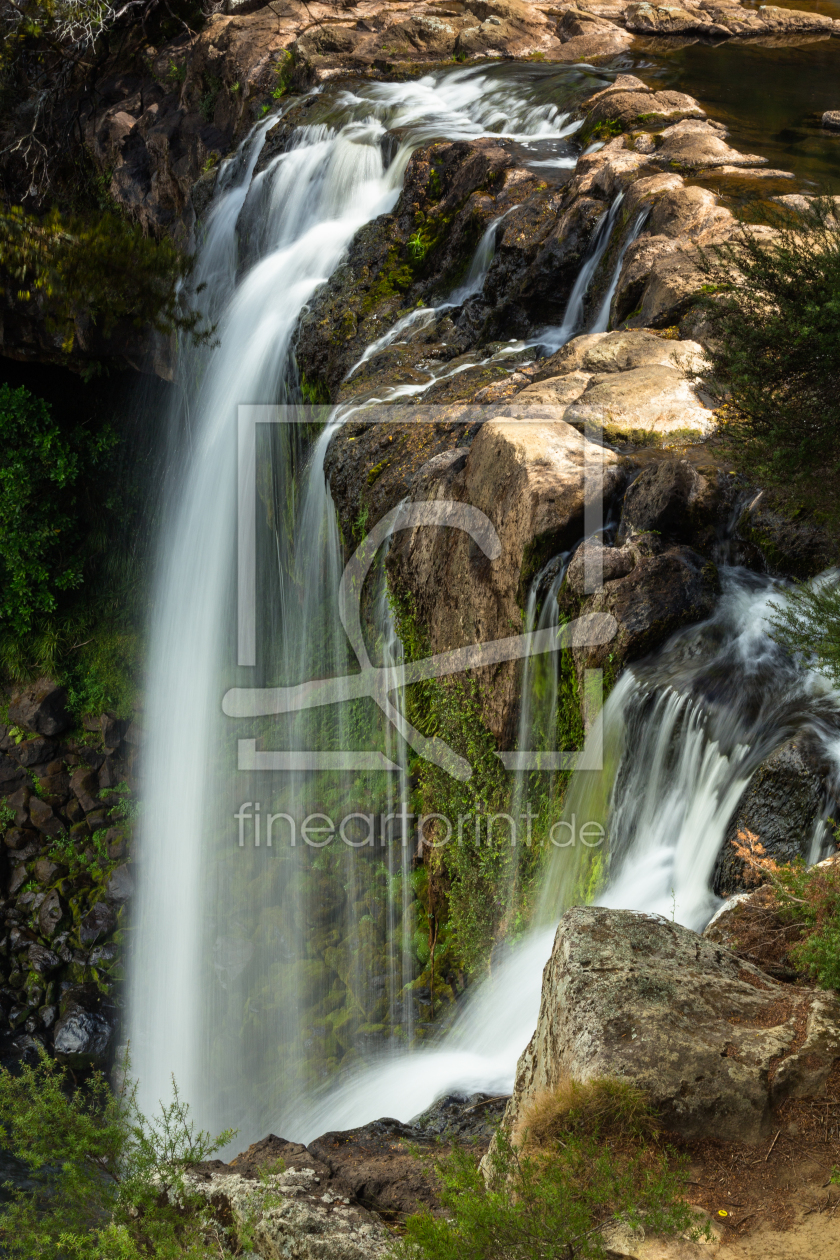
x=260, y=966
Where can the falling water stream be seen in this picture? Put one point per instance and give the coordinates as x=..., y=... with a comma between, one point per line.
x=228, y=988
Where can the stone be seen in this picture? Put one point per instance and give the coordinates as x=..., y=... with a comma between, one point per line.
x=621, y=351
x=45, y=870
x=17, y=838
x=528, y=479
x=19, y=802
x=670, y=497
x=799, y=548
x=51, y=914
x=11, y=774
x=655, y=591
x=695, y=145
x=715, y=1043
x=376, y=1163
x=120, y=885
x=831, y=119
x=44, y=819
x=17, y=879
x=81, y=1037
x=100, y=921
x=781, y=806
x=35, y=752
x=84, y=783
x=645, y=400
x=41, y=708
x=42, y=960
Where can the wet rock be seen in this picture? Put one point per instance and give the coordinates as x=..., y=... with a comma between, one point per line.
x=41, y=708
x=44, y=819
x=18, y=838
x=831, y=119
x=85, y=785
x=609, y=112
x=17, y=879
x=43, y=960
x=52, y=914
x=655, y=592
x=99, y=922
x=376, y=1163
x=715, y=1043
x=45, y=870
x=120, y=885
x=81, y=1037
x=781, y=806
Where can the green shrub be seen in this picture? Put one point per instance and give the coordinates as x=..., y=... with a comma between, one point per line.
x=554, y=1203
x=105, y=1182
x=773, y=304
x=40, y=466
x=807, y=623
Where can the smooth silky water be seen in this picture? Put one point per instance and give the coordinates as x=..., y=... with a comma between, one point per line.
x=228, y=988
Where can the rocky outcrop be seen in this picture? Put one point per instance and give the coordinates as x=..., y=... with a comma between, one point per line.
x=782, y=806
x=64, y=881
x=650, y=589
x=529, y=480
x=785, y=542
x=714, y=1041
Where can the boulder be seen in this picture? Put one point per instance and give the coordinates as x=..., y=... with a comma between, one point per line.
x=35, y=752
x=42, y=960
x=41, y=708
x=694, y=145
x=645, y=400
x=100, y=921
x=651, y=591
x=672, y=498
x=44, y=819
x=120, y=885
x=84, y=783
x=51, y=914
x=781, y=806
x=81, y=1037
x=601, y=353
x=831, y=119
x=715, y=1043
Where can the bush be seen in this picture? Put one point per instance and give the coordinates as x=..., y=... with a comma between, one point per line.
x=40, y=467
x=808, y=624
x=558, y=1200
x=106, y=1183
x=773, y=303
x=806, y=896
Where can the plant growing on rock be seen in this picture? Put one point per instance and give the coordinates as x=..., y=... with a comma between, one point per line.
x=105, y=1180
x=806, y=896
x=773, y=305
x=592, y=1160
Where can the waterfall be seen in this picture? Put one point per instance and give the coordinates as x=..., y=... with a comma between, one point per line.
x=553, y=339
x=261, y=966
x=602, y=319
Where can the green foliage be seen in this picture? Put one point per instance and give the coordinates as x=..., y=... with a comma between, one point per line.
x=554, y=1204
x=807, y=623
x=102, y=268
x=283, y=69
x=39, y=534
x=108, y=1182
x=212, y=87
x=773, y=304
x=811, y=897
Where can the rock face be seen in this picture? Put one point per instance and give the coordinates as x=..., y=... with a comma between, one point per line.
x=41, y=708
x=781, y=806
x=715, y=1042
x=528, y=478
x=651, y=590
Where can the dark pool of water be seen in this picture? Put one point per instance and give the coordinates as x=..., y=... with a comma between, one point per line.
x=771, y=99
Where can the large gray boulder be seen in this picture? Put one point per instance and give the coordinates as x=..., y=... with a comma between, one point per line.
x=714, y=1041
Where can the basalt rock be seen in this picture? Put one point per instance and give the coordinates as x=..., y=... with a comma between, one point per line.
x=790, y=544
x=81, y=1037
x=781, y=807
x=715, y=1043
x=673, y=499
x=41, y=708
x=650, y=589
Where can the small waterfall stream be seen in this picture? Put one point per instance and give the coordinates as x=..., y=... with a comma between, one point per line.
x=228, y=988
